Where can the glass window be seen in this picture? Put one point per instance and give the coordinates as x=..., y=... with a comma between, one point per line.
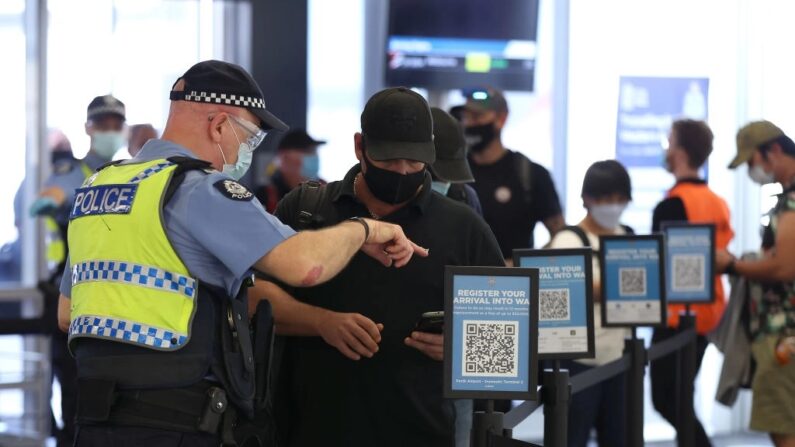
x=657, y=39
x=335, y=79
x=13, y=117
x=132, y=49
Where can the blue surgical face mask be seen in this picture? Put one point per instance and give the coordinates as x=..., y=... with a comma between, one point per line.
x=608, y=216
x=440, y=187
x=106, y=144
x=310, y=167
x=244, y=155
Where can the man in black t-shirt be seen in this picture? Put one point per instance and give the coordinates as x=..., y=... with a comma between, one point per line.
x=515, y=193
x=354, y=372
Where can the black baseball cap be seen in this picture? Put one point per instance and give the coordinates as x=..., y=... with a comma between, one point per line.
x=218, y=82
x=451, y=163
x=397, y=124
x=106, y=105
x=299, y=139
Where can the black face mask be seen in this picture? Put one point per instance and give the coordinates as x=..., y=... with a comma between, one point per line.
x=58, y=156
x=391, y=187
x=479, y=137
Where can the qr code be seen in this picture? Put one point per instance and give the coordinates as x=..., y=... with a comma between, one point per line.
x=688, y=271
x=490, y=348
x=632, y=281
x=554, y=305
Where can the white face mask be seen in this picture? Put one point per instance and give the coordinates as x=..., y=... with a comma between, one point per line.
x=106, y=144
x=759, y=175
x=608, y=216
x=244, y=155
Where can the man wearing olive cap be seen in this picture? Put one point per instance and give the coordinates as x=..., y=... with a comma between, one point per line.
x=770, y=155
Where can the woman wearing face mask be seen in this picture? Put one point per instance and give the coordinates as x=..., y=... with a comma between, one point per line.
x=606, y=191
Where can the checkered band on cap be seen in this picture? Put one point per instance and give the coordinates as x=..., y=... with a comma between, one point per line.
x=125, y=330
x=225, y=98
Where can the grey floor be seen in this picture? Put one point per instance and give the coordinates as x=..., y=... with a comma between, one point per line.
x=737, y=440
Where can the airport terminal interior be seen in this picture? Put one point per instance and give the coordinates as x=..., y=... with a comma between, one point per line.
x=630, y=113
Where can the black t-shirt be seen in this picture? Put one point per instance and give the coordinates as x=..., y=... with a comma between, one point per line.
x=507, y=208
x=395, y=398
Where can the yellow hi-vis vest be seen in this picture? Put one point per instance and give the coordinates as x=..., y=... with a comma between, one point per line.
x=128, y=283
x=56, y=246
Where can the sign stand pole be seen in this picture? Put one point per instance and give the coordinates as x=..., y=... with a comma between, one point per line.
x=687, y=359
x=485, y=423
x=634, y=392
x=556, y=394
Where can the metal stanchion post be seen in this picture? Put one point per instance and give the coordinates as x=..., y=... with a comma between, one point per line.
x=556, y=394
x=484, y=423
x=634, y=391
x=686, y=418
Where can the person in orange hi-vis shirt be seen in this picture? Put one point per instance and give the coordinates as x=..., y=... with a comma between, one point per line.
x=691, y=200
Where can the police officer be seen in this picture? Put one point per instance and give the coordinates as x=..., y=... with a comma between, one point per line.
x=105, y=119
x=105, y=125
x=450, y=171
x=161, y=249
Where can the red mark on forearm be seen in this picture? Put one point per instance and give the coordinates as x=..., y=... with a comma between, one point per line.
x=312, y=277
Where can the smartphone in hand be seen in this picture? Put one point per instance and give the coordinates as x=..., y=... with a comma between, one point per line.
x=432, y=322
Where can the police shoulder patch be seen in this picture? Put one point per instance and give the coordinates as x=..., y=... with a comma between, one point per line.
x=233, y=190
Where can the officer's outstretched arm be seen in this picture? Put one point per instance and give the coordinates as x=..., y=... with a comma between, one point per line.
x=64, y=313
x=312, y=257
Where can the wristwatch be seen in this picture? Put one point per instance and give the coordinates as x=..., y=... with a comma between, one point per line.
x=731, y=269
x=365, y=225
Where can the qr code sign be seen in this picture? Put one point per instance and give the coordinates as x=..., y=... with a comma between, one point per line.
x=490, y=348
x=632, y=281
x=688, y=272
x=554, y=305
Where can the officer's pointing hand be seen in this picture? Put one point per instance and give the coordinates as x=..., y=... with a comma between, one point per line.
x=389, y=245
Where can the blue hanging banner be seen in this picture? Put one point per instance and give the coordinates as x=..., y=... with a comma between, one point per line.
x=646, y=108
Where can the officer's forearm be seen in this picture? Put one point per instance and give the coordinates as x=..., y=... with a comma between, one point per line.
x=292, y=317
x=312, y=257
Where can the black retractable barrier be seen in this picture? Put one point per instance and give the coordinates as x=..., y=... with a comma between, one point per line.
x=556, y=394
x=687, y=358
x=634, y=395
x=491, y=429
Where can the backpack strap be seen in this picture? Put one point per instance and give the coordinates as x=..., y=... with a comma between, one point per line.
x=310, y=197
x=580, y=233
x=525, y=171
x=184, y=164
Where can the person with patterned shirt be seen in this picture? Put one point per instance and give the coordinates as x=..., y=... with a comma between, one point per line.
x=770, y=155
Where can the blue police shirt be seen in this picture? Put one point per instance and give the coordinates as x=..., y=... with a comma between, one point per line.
x=68, y=175
x=217, y=237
